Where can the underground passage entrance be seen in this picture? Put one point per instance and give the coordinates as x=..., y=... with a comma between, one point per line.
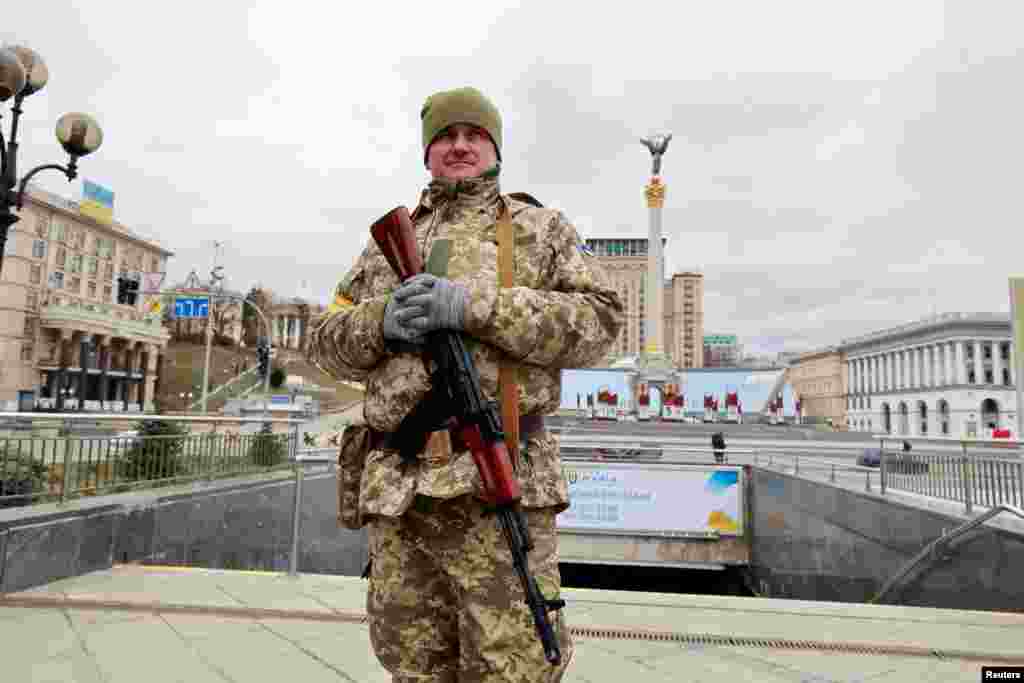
x=727, y=581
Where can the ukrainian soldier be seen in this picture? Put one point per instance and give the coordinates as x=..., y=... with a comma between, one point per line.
x=444, y=603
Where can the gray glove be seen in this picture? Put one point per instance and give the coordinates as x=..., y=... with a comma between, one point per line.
x=437, y=303
x=396, y=318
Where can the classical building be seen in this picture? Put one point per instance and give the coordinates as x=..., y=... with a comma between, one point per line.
x=819, y=380
x=625, y=261
x=65, y=341
x=947, y=375
x=291, y=320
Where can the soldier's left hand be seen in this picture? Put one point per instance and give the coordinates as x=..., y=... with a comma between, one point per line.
x=441, y=303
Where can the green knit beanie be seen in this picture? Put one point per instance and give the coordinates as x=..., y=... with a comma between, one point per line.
x=462, y=105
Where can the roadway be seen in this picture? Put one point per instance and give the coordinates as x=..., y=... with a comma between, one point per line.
x=819, y=455
x=793, y=439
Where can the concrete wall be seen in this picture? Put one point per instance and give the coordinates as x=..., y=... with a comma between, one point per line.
x=812, y=541
x=226, y=525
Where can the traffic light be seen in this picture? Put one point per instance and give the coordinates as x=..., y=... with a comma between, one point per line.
x=263, y=360
x=127, y=290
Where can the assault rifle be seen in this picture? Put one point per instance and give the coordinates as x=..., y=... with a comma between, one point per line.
x=457, y=404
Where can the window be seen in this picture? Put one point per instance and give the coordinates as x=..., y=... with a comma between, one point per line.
x=987, y=351
x=1006, y=376
x=58, y=231
x=108, y=271
x=92, y=290
x=38, y=249
x=93, y=265
x=57, y=280
x=32, y=300
x=108, y=293
x=28, y=351
x=35, y=274
x=75, y=285
x=42, y=225
x=76, y=264
x=989, y=378
x=80, y=236
x=62, y=256
x=30, y=326
x=105, y=247
x=970, y=376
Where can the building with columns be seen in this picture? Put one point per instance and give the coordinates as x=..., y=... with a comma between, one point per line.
x=624, y=259
x=291, y=320
x=947, y=375
x=65, y=341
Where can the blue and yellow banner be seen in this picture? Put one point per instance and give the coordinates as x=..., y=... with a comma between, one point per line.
x=97, y=202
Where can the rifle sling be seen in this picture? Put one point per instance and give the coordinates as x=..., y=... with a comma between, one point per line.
x=508, y=392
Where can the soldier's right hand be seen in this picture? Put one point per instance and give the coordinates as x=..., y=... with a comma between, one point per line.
x=395, y=318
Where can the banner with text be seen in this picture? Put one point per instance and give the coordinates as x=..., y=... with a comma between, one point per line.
x=631, y=497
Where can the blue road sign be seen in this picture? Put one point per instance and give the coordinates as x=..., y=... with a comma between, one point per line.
x=197, y=307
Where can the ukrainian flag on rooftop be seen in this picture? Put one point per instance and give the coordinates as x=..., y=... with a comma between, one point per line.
x=97, y=202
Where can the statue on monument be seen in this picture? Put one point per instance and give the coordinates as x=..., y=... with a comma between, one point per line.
x=657, y=144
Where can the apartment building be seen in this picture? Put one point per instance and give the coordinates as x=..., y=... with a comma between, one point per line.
x=66, y=343
x=625, y=261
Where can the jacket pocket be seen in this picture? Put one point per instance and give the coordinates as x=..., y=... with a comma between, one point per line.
x=386, y=489
x=355, y=447
x=541, y=481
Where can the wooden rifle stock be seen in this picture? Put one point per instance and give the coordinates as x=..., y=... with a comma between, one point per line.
x=396, y=237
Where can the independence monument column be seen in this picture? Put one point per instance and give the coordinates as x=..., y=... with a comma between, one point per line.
x=653, y=352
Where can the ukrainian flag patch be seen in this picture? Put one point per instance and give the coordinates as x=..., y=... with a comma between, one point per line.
x=340, y=303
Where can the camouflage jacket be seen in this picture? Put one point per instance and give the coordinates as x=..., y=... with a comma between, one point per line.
x=561, y=313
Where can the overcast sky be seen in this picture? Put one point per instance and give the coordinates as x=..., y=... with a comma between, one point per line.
x=836, y=167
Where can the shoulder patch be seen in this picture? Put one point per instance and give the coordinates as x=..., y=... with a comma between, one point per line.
x=526, y=199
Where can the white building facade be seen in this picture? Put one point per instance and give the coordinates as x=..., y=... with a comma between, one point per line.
x=948, y=375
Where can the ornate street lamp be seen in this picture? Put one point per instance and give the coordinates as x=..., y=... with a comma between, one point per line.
x=23, y=73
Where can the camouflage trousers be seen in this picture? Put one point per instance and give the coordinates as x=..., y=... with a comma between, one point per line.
x=445, y=603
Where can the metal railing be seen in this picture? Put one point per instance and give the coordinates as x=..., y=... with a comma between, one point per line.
x=64, y=467
x=964, y=478
x=56, y=465
x=240, y=383
x=940, y=548
x=968, y=478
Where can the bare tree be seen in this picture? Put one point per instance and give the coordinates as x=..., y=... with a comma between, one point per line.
x=224, y=314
